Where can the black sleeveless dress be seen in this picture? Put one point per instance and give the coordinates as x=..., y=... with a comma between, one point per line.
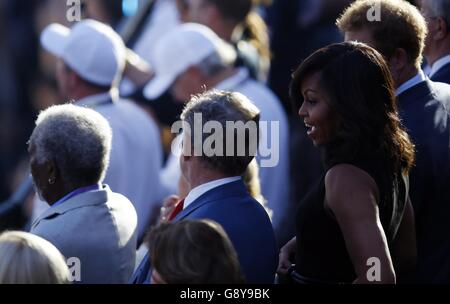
x=321, y=255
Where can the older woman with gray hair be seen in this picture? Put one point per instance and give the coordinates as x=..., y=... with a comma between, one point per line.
x=69, y=154
x=28, y=259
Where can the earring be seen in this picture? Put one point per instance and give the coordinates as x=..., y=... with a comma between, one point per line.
x=51, y=181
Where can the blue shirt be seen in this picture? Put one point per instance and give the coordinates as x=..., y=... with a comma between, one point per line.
x=76, y=192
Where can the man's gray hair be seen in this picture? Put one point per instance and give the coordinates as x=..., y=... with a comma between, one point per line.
x=77, y=139
x=440, y=8
x=237, y=116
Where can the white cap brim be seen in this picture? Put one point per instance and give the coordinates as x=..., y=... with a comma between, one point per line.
x=54, y=38
x=157, y=86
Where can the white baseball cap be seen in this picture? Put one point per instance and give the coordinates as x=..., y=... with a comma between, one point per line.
x=185, y=46
x=92, y=49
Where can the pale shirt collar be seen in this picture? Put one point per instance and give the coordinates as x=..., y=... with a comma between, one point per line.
x=198, y=191
x=426, y=69
x=420, y=77
x=234, y=81
x=439, y=64
x=97, y=99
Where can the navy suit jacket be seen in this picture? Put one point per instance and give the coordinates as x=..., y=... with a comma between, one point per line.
x=424, y=110
x=247, y=225
x=443, y=75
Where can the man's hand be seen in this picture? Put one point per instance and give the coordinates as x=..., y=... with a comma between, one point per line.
x=167, y=207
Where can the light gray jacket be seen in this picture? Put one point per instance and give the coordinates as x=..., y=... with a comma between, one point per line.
x=97, y=227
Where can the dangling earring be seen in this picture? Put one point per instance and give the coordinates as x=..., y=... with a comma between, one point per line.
x=51, y=181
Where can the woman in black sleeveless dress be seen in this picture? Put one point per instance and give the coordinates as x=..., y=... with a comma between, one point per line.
x=356, y=225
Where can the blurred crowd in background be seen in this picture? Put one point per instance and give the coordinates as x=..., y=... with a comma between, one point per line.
x=294, y=28
x=271, y=39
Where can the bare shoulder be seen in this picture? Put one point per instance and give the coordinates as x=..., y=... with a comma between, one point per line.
x=344, y=182
x=348, y=174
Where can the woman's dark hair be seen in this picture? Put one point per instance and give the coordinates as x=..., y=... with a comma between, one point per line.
x=194, y=252
x=362, y=94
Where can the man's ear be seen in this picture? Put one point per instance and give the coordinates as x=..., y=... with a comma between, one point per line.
x=187, y=153
x=187, y=149
x=186, y=158
x=398, y=60
x=441, y=29
x=51, y=171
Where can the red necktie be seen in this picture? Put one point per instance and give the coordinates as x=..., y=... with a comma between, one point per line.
x=178, y=209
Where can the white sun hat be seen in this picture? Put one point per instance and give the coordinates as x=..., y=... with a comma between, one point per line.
x=183, y=47
x=90, y=48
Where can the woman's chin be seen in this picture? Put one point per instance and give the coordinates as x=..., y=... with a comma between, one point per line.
x=318, y=143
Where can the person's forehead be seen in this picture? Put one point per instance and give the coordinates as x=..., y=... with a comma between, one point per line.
x=310, y=82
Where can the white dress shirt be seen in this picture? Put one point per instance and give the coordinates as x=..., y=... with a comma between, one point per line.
x=420, y=77
x=198, y=191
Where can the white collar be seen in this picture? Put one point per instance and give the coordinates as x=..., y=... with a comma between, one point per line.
x=420, y=77
x=97, y=99
x=232, y=82
x=439, y=64
x=198, y=191
x=426, y=68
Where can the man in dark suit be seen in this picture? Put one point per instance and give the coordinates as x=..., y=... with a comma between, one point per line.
x=437, y=44
x=212, y=164
x=398, y=30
